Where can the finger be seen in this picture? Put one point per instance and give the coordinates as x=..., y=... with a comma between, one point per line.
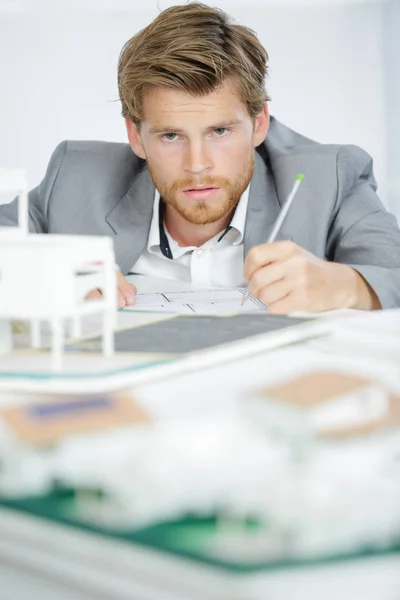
x=284, y=306
x=266, y=276
x=93, y=295
x=128, y=290
x=297, y=300
x=265, y=254
x=275, y=292
x=121, y=300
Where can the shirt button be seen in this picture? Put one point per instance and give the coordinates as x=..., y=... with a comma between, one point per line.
x=200, y=252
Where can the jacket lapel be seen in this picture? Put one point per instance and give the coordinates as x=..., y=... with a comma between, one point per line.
x=130, y=220
x=263, y=207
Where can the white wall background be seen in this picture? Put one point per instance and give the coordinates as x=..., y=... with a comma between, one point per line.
x=331, y=75
x=391, y=46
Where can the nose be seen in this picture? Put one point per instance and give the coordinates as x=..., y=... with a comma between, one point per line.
x=197, y=158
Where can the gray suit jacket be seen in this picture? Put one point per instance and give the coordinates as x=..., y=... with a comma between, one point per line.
x=102, y=188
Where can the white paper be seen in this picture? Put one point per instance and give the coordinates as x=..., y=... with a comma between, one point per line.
x=205, y=302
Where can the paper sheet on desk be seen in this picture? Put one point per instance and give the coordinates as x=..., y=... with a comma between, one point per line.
x=204, y=302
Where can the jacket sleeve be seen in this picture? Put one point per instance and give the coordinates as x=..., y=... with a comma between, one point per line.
x=363, y=234
x=38, y=198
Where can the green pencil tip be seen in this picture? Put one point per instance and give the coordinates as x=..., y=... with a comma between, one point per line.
x=300, y=177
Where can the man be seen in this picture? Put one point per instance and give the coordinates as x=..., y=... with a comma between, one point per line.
x=209, y=171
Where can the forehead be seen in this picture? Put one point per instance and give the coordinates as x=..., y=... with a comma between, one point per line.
x=166, y=104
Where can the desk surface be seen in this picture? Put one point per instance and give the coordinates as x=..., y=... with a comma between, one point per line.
x=220, y=391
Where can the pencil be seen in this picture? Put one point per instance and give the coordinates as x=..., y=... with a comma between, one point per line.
x=279, y=221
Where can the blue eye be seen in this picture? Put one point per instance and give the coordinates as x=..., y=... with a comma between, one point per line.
x=170, y=137
x=220, y=131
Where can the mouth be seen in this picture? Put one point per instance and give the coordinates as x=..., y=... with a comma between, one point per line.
x=200, y=192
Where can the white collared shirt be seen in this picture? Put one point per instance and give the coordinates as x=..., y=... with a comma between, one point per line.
x=218, y=262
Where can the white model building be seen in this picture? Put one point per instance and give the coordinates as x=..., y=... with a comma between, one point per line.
x=42, y=277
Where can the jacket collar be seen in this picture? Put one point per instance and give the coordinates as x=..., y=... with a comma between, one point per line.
x=130, y=220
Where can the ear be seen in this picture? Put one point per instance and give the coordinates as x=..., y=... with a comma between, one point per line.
x=261, y=126
x=134, y=138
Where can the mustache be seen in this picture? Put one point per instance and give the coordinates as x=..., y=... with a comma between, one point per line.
x=191, y=182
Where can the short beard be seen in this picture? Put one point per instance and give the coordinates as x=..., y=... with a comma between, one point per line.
x=201, y=212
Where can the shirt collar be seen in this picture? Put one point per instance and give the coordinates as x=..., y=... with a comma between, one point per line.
x=237, y=223
x=158, y=240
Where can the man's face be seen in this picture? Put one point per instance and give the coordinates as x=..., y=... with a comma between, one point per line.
x=199, y=150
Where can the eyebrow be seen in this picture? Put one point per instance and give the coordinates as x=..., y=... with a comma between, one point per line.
x=168, y=129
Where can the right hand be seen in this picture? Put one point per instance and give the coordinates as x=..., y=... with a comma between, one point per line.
x=126, y=292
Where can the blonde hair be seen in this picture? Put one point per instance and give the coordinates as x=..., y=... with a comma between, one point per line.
x=194, y=48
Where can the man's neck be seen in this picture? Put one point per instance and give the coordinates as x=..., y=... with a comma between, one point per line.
x=189, y=234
